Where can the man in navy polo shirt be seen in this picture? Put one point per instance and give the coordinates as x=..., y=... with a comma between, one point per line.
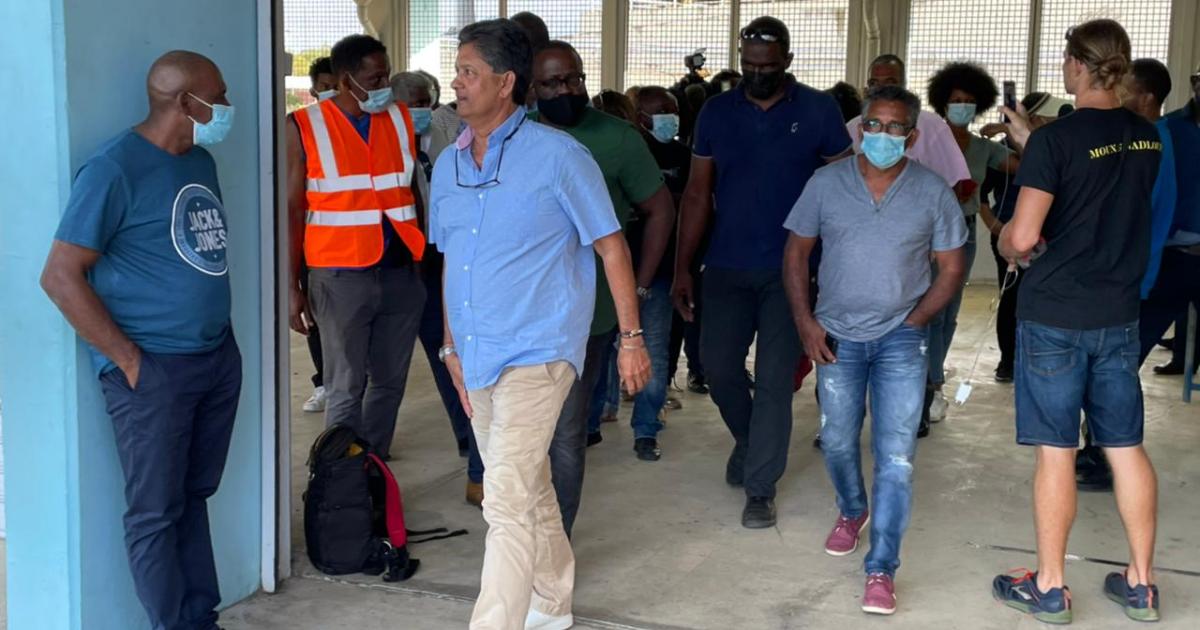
x=755, y=148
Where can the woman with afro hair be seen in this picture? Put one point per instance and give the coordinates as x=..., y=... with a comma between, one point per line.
x=960, y=92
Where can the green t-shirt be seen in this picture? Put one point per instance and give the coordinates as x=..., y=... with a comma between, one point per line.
x=981, y=154
x=631, y=175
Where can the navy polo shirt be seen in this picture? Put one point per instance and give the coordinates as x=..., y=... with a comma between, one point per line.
x=763, y=160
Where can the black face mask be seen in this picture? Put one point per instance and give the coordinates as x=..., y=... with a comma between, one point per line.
x=564, y=110
x=762, y=85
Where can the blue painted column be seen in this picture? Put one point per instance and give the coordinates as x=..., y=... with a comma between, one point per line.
x=82, y=81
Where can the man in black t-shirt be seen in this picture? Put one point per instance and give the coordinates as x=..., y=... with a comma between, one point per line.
x=1083, y=214
x=658, y=116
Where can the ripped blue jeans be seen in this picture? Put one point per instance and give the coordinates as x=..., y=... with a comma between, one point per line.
x=892, y=369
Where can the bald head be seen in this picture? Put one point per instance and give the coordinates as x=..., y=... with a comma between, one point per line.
x=175, y=74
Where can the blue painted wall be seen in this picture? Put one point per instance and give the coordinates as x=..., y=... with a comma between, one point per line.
x=83, y=81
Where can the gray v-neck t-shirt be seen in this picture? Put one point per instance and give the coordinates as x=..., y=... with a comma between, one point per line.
x=875, y=256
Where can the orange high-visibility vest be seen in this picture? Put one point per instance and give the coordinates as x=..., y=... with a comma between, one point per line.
x=352, y=185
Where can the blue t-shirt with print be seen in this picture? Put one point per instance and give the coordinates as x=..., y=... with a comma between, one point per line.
x=159, y=225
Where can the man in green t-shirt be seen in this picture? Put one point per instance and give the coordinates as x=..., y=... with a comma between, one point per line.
x=633, y=179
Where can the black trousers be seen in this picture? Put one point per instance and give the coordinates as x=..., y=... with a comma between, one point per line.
x=685, y=336
x=738, y=305
x=1006, y=314
x=568, y=448
x=1178, y=284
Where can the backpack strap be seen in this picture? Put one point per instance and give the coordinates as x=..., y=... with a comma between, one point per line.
x=444, y=534
x=393, y=507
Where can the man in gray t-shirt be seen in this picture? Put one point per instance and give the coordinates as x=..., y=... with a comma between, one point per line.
x=879, y=217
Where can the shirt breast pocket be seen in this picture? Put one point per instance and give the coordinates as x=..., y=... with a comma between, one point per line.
x=454, y=215
x=534, y=220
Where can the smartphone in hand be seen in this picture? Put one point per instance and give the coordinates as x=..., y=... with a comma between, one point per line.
x=832, y=344
x=1010, y=96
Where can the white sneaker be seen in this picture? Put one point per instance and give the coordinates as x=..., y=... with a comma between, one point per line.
x=937, y=409
x=536, y=620
x=316, y=402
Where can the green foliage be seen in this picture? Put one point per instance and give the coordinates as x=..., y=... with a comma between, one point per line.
x=303, y=59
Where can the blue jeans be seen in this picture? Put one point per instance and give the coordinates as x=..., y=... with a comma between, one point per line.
x=943, y=325
x=1061, y=372
x=892, y=368
x=656, y=321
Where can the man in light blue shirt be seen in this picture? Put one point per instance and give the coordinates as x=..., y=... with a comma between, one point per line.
x=518, y=209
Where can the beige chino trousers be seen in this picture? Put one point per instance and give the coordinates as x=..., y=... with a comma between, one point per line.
x=527, y=559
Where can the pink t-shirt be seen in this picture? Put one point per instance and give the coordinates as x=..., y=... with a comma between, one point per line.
x=935, y=148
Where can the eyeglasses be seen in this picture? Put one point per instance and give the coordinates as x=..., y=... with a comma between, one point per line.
x=572, y=81
x=495, y=181
x=769, y=36
x=874, y=125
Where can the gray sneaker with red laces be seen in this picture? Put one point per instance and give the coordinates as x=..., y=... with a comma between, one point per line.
x=843, y=540
x=879, y=598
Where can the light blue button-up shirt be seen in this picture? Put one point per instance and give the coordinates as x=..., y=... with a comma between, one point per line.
x=520, y=270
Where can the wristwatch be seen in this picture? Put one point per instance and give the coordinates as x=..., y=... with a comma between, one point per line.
x=445, y=351
x=643, y=293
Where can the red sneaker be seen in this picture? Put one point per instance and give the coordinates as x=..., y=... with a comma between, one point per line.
x=879, y=598
x=843, y=540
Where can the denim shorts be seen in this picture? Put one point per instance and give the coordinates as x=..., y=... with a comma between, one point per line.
x=1061, y=372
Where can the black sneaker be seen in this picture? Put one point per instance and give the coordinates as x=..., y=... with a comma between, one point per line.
x=817, y=442
x=1004, y=373
x=696, y=384
x=594, y=438
x=1140, y=602
x=647, y=449
x=1170, y=368
x=1092, y=473
x=734, y=466
x=759, y=513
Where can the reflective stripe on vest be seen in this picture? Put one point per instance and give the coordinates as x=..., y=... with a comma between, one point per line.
x=358, y=182
x=342, y=218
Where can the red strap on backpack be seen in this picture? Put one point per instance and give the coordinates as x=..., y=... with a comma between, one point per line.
x=393, y=507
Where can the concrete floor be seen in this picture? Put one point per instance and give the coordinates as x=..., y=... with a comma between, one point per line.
x=660, y=545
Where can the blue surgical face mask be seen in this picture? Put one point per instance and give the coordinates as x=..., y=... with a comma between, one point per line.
x=377, y=100
x=883, y=149
x=421, y=117
x=215, y=130
x=664, y=127
x=960, y=114
x=325, y=95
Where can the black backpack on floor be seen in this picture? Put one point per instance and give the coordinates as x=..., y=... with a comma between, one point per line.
x=353, y=514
